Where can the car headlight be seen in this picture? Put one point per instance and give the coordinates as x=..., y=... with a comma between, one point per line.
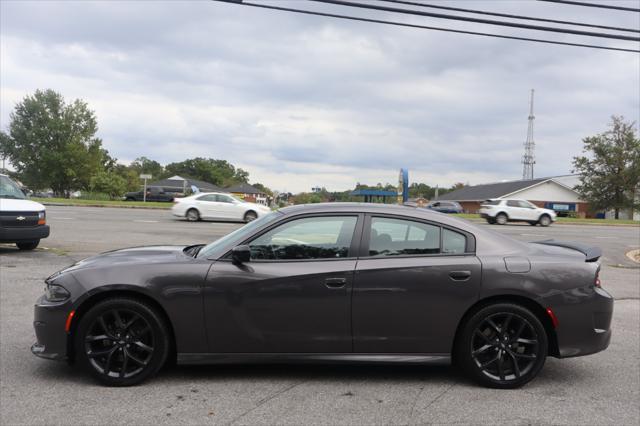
x=42, y=218
x=56, y=293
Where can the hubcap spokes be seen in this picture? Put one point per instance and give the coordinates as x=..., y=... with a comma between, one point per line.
x=504, y=346
x=119, y=343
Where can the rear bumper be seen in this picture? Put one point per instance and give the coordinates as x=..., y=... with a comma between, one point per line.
x=20, y=234
x=49, y=324
x=584, y=320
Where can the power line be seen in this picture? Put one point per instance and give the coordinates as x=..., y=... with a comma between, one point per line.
x=477, y=20
x=402, y=24
x=603, y=6
x=506, y=15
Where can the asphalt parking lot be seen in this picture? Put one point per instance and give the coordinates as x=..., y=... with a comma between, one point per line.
x=600, y=389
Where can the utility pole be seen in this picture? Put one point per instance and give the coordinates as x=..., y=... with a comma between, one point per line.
x=529, y=157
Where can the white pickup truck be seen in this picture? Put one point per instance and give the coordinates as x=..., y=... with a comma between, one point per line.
x=22, y=221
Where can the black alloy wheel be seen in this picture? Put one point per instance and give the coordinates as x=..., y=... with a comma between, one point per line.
x=122, y=341
x=250, y=216
x=503, y=346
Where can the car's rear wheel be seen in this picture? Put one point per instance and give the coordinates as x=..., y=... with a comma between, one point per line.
x=122, y=341
x=28, y=245
x=193, y=215
x=502, y=219
x=502, y=346
x=544, y=220
x=250, y=215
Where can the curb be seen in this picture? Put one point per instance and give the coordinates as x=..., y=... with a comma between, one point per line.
x=102, y=205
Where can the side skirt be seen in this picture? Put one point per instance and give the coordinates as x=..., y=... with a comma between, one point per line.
x=320, y=358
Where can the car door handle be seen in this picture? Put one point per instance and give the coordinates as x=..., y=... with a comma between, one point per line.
x=460, y=275
x=335, y=282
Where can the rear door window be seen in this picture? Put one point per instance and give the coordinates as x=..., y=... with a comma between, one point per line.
x=395, y=237
x=453, y=242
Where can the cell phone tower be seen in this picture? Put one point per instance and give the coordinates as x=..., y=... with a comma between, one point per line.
x=529, y=157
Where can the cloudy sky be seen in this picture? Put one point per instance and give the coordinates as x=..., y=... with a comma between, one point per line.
x=301, y=101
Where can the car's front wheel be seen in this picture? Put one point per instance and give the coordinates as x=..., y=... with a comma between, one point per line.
x=28, y=245
x=193, y=215
x=502, y=346
x=250, y=216
x=502, y=219
x=544, y=220
x=122, y=341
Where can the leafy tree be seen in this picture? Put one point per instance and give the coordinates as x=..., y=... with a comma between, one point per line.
x=219, y=172
x=130, y=175
x=610, y=173
x=109, y=182
x=144, y=165
x=263, y=188
x=53, y=144
x=308, y=198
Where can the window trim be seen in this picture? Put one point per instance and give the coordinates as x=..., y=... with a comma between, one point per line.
x=356, y=238
x=470, y=248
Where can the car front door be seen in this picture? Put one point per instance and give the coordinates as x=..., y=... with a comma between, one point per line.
x=293, y=296
x=207, y=206
x=413, y=282
x=228, y=208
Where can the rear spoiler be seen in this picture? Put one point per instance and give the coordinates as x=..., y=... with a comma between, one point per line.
x=591, y=253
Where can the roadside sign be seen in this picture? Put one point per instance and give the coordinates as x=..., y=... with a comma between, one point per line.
x=145, y=176
x=144, y=191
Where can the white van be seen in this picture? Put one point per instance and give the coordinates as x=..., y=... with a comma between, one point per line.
x=22, y=221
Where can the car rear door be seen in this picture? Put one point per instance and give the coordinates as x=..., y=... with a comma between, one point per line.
x=414, y=281
x=294, y=296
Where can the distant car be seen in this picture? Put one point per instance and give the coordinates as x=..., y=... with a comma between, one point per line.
x=445, y=207
x=503, y=211
x=153, y=194
x=217, y=206
x=332, y=282
x=22, y=221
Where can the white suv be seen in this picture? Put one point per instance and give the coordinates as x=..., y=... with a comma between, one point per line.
x=503, y=211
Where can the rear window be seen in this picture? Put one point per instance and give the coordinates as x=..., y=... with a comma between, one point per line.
x=492, y=202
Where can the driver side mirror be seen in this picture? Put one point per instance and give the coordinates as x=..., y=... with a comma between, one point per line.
x=241, y=254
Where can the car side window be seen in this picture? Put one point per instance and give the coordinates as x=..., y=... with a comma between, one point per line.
x=513, y=203
x=206, y=198
x=327, y=237
x=394, y=237
x=453, y=242
x=223, y=199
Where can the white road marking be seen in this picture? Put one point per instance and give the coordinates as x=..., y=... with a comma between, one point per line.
x=146, y=221
x=533, y=235
x=606, y=238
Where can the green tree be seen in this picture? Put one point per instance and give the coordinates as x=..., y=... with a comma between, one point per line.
x=263, y=188
x=144, y=165
x=130, y=175
x=610, y=172
x=219, y=172
x=108, y=182
x=53, y=144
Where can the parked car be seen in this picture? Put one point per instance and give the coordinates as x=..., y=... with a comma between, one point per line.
x=217, y=206
x=445, y=206
x=331, y=282
x=153, y=194
x=502, y=211
x=22, y=221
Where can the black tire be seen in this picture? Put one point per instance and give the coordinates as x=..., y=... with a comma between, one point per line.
x=28, y=245
x=250, y=216
x=192, y=215
x=502, y=219
x=130, y=199
x=502, y=358
x=544, y=220
x=533, y=223
x=122, y=341
x=491, y=221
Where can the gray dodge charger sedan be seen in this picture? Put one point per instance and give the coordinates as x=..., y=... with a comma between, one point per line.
x=331, y=283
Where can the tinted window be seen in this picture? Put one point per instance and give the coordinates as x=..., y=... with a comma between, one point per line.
x=393, y=237
x=453, y=242
x=207, y=198
x=224, y=199
x=308, y=238
x=513, y=203
x=492, y=202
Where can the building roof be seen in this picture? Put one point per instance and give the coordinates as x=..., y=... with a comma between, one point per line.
x=243, y=188
x=501, y=189
x=178, y=183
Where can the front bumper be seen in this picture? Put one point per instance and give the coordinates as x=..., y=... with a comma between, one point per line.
x=49, y=323
x=584, y=320
x=20, y=234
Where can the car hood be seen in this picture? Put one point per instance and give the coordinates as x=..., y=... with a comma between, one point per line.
x=131, y=256
x=10, y=204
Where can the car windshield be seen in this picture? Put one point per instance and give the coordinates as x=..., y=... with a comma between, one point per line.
x=8, y=189
x=492, y=202
x=239, y=233
x=235, y=197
